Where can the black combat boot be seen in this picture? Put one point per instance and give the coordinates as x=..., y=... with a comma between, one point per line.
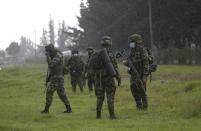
x=139, y=104
x=68, y=109
x=145, y=103
x=98, y=114
x=46, y=110
x=112, y=114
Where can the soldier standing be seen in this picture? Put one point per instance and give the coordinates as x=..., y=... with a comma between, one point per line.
x=55, y=77
x=106, y=83
x=88, y=71
x=138, y=57
x=75, y=65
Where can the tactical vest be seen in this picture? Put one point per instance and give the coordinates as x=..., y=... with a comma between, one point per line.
x=136, y=56
x=76, y=64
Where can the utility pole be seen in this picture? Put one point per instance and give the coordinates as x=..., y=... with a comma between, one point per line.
x=150, y=24
x=35, y=42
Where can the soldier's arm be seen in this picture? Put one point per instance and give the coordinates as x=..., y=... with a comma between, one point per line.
x=145, y=60
x=56, y=60
x=66, y=70
x=83, y=65
x=118, y=77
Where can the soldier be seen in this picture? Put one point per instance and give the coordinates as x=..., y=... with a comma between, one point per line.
x=105, y=83
x=55, y=77
x=76, y=68
x=89, y=72
x=138, y=57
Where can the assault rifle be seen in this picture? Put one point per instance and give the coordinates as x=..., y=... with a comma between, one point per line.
x=48, y=76
x=128, y=62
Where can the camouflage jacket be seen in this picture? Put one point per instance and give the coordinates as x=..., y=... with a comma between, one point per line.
x=87, y=67
x=140, y=59
x=56, y=64
x=75, y=63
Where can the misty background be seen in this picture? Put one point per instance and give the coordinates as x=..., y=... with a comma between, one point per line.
x=171, y=29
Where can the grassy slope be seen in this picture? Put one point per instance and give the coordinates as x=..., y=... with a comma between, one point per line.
x=174, y=97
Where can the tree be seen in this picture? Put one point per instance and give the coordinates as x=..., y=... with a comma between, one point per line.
x=118, y=19
x=175, y=23
x=51, y=31
x=62, y=36
x=26, y=47
x=44, y=38
x=13, y=49
x=2, y=53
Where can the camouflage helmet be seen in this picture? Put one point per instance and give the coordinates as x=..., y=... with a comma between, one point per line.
x=106, y=41
x=90, y=48
x=135, y=38
x=75, y=51
x=49, y=47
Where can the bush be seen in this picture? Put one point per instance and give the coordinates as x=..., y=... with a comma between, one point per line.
x=179, y=56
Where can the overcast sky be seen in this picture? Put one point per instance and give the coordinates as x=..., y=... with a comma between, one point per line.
x=23, y=17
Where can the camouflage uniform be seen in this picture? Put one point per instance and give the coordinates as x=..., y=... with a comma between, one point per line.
x=56, y=78
x=105, y=83
x=139, y=58
x=76, y=68
x=90, y=74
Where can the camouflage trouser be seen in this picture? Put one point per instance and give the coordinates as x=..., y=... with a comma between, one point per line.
x=76, y=80
x=56, y=84
x=138, y=90
x=102, y=86
x=90, y=81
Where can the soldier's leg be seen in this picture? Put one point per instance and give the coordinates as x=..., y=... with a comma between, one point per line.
x=80, y=83
x=49, y=96
x=110, y=91
x=73, y=83
x=144, y=96
x=100, y=93
x=90, y=82
x=62, y=95
x=136, y=94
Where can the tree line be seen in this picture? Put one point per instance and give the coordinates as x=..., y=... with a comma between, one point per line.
x=27, y=48
x=176, y=27
x=175, y=23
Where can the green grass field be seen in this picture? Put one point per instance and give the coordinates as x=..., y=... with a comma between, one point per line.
x=174, y=103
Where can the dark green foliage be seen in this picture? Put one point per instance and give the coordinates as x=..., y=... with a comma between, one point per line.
x=175, y=23
x=13, y=49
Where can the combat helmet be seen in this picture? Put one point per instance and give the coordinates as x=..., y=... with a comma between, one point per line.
x=90, y=49
x=135, y=38
x=49, y=47
x=106, y=41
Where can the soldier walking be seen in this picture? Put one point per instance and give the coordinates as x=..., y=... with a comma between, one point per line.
x=55, y=78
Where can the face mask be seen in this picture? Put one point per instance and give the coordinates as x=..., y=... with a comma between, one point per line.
x=132, y=45
x=75, y=54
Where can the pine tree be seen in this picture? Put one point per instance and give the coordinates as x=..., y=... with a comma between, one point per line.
x=44, y=38
x=51, y=31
